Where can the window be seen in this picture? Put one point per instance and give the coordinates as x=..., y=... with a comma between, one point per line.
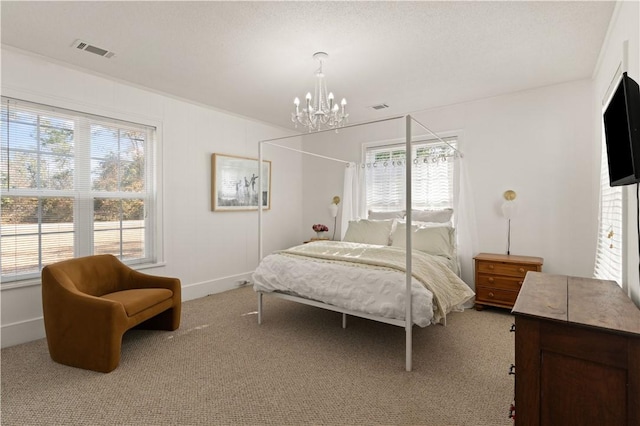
x=609, y=260
x=72, y=184
x=609, y=249
x=432, y=170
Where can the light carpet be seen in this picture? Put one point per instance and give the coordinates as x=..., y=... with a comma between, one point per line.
x=298, y=367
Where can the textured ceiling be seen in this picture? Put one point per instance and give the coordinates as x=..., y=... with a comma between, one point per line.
x=253, y=58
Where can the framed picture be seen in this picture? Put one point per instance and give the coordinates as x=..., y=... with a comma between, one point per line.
x=237, y=184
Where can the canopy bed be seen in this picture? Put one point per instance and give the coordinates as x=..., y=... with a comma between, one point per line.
x=391, y=272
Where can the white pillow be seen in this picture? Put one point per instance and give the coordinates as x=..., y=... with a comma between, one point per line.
x=369, y=231
x=374, y=215
x=436, y=240
x=425, y=224
x=441, y=216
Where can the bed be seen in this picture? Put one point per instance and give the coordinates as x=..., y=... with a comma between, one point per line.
x=364, y=275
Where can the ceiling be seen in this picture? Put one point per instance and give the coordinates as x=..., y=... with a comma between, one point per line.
x=253, y=58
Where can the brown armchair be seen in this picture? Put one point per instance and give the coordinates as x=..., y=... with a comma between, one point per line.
x=90, y=302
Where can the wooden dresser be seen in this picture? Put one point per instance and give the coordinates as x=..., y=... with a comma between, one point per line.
x=577, y=350
x=500, y=276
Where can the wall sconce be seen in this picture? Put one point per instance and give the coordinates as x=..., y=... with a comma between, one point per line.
x=509, y=210
x=333, y=209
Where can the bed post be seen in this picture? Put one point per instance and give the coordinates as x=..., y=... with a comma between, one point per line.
x=260, y=225
x=408, y=318
x=260, y=202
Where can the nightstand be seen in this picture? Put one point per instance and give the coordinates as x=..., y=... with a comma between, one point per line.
x=500, y=276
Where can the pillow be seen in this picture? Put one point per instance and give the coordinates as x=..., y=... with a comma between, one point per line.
x=424, y=224
x=436, y=240
x=398, y=214
x=369, y=231
x=441, y=216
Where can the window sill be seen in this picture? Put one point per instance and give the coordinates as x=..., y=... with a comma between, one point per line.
x=37, y=281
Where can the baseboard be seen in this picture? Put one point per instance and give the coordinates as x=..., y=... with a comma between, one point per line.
x=22, y=332
x=33, y=329
x=205, y=288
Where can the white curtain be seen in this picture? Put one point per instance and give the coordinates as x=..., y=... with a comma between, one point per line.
x=465, y=222
x=354, y=203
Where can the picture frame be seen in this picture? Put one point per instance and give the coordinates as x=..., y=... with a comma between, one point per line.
x=237, y=185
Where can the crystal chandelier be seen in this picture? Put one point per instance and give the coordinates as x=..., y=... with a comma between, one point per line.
x=320, y=111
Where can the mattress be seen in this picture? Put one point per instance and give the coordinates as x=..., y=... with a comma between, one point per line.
x=314, y=272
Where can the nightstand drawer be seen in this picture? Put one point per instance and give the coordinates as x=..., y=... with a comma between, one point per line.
x=512, y=269
x=494, y=295
x=501, y=282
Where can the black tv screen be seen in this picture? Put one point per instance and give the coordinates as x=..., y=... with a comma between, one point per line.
x=621, y=119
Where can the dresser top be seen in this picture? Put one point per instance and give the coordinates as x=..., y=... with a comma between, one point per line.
x=509, y=258
x=581, y=301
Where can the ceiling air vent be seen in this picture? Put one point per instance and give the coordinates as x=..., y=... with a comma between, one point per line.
x=380, y=106
x=83, y=45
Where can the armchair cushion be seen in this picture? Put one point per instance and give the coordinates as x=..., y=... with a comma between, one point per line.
x=136, y=301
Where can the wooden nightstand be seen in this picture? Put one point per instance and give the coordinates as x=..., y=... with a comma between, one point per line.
x=500, y=276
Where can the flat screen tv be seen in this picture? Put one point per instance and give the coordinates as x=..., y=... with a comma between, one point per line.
x=621, y=120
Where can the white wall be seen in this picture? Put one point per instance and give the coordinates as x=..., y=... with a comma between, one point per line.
x=624, y=25
x=538, y=143
x=210, y=252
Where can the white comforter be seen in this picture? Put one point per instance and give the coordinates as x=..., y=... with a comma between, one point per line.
x=344, y=275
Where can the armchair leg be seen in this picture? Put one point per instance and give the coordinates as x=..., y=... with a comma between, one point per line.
x=167, y=320
x=97, y=353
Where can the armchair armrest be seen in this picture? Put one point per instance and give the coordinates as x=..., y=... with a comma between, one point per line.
x=136, y=279
x=168, y=320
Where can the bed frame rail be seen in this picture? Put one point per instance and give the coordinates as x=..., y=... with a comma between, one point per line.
x=399, y=323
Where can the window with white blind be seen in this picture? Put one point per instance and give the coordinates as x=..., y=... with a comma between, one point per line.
x=609, y=258
x=72, y=184
x=432, y=170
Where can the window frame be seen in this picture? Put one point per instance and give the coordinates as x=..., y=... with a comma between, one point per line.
x=604, y=237
x=154, y=228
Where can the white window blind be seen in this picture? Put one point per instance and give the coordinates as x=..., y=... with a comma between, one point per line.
x=72, y=184
x=608, y=265
x=432, y=170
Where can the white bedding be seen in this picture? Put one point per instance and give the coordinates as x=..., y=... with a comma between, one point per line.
x=372, y=289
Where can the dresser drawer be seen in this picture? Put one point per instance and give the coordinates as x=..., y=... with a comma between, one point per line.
x=494, y=295
x=500, y=282
x=512, y=269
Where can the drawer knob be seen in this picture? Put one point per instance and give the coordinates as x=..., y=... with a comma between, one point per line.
x=490, y=279
x=521, y=270
x=520, y=282
x=490, y=266
x=491, y=294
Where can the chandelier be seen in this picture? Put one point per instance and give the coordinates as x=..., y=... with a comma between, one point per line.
x=320, y=111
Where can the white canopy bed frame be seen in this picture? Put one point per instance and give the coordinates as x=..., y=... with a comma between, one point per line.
x=407, y=323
